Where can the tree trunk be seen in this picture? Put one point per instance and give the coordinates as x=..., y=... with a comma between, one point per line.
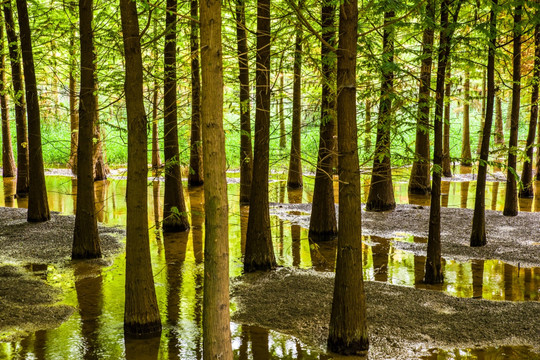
x=466, y=155
x=446, y=168
x=527, y=174
x=323, y=224
x=73, y=111
x=246, y=153
x=478, y=233
x=100, y=168
x=174, y=207
x=259, y=248
x=419, y=182
x=381, y=191
x=367, y=128
x=499, y=127
x=483, y=113
x=141, y=313
x=195, y=177
x=511, y=199
x=216, y=319
x=85, y=235
x=20, y=106
x=38, y=206
x=348, y=327
x=156, y=159
x=294, y=180
x=8, y=162
x=281, y=111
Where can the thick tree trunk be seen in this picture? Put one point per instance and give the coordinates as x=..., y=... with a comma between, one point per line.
x=446, y=166
x=246, y=153
x=419, y=182
x=466, y=155
x=259, y=248
x=8, y=161
x=527, y=174
x=323, y=224
x=174, y=212
x=294, y=180
x=20, y=106
x=478, y=233
x=85, y=235
x=38, y=206
x=73, y=111
x=511, y=199
x=195, y=177
x=348, y=327
x=141, y=313
x=499, y=127
x=216, y=319
x=381, y=191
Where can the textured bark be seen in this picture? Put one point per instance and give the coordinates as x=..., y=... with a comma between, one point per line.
x=294, y=179
x=195, y=177
x=100, y=167
x=73, y=111
x=323, y=224
x=20, y=106
x=174, y=207
x=156, y=159
x=483, y=112
x=348, y=327
x=367, y=128
x=259, y=248
x=511, y=199
x=419, y=182
x=466, y=138
x=478, y=233
x=141, y=312
x=246, y=153
x=381, y=191
x=281, y=111
x=216, y=319
x=8, y=161
x=38, y=206
x=499, y=127
x=446, y=166
x=85, y=235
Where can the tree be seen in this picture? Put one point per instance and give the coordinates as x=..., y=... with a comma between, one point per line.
x=322, y=223
x=348, y=328
x=85, y=235
x=73, y=112
x=465, y=140
x=499, y=127
x=174, y=206
x=8, y=162
x=38, y=206
x=446, y=169
x=259, y=253
x=216, y=319
x=510, y=200
x=419, y=182
x=20, y=106
x=478, y=233
x=141, y=312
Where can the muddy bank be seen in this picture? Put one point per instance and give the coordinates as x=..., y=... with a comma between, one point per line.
x=404, y=323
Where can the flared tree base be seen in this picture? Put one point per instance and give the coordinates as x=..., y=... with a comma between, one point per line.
x=266, y=264
x=510, y=212
x=433, y=274
x=85, y=255
x=526, y=193
x=195, y=183
x=294, y=185
x=142, y=331
x=418, y=189
x=478, y=240
x=172, y=225
x=356, y=347
x=322, y=236
x=379, y=206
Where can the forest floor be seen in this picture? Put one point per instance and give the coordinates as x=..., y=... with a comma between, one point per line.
x=403, y=322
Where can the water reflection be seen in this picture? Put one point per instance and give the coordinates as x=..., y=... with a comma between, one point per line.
x=498, y=353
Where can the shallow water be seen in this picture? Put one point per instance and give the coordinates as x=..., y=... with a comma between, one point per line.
x=95, y=330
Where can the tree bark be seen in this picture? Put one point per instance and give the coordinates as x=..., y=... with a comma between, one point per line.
x=446, y=166
x=511, y=199
x=478, y=233
x=483, y=113
x=281, y=112
x=174, y=212
x=141, y=313
x=466, y=155
x=38, y=206
x=216, y=319
x=8, y=161
x=85, y=235
x=381, y=191
x=20, y=106
x=499, y=127
x=348, y=327
x=259, y=253
x=419, y=182
x=73, y=111
x=367, y=128
x=156, y=158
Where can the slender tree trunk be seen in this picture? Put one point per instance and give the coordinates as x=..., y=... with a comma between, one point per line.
x=323, y=224
x=483, y=113
x=367, y=128
x=38, y=207
x=20, y=106
x=478, y=233
x=174, y=211
x=446, y=168
x=527, y=174
x=73, y=111
x=195, y=177
x=281, y=111
x=419, y=182
x=141, y=313
x=348, y=327
x=85, y=235
x=466, y=155
x=246, y=153
x=216, y=319
x=259, y=248
x=499, y=127
x=511, y=199
x=381, y=191
x=294, y=180
x=100, y=168
x=156, y=159
x=8, y=161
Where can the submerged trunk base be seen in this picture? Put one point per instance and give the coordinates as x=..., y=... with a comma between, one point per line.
x=142, y=331
x=263, y=264
x=433, y=274
x=322, y=236
x=358, y=347
x=379, y=206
